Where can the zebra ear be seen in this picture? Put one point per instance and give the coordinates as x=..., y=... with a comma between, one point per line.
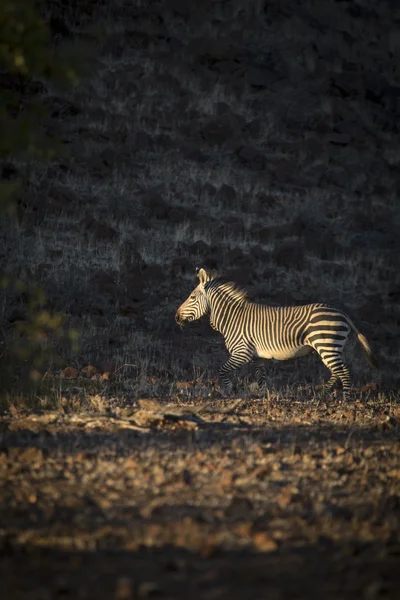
x=202, y=275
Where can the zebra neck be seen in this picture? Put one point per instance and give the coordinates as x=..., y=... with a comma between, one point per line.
x=222, y=312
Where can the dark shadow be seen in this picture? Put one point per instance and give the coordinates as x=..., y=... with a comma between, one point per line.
x=323, y=570
x=232, y=428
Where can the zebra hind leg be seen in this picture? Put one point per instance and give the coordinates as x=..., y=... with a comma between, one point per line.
x=345, y=378
x=259, y=371
x=339, y=371
x=328, y=385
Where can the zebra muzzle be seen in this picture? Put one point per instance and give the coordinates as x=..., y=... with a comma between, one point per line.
x=179, y=319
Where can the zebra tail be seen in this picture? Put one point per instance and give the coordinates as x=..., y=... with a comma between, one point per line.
x=367, y=349
x=365, y=345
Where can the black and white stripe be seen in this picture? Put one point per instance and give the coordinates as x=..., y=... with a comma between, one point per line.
x=256, y=331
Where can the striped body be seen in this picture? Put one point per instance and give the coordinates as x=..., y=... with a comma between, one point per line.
x=255, y=331
x=289, y=331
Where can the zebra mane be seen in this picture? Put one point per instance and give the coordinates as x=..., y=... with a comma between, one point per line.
x=231, y=289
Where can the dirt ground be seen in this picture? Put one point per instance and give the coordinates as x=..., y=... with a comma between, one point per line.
x=274, y=498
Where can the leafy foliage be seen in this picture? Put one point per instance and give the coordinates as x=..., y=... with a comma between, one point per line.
x=26, y=54
x=28, y=63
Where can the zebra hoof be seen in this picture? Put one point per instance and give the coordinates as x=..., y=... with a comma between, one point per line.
x=225, y=392
x=262, y=388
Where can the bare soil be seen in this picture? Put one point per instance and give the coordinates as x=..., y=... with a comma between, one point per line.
x=208, y=499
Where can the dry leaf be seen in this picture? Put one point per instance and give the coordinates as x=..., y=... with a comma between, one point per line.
x=263, y=542
x=285, y=497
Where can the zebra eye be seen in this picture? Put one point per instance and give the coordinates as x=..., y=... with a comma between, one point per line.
x=193, y=296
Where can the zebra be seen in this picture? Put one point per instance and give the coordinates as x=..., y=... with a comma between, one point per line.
x=257, y=331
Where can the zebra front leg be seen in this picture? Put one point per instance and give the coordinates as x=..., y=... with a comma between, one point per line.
x=259, y=371
x=225, y=373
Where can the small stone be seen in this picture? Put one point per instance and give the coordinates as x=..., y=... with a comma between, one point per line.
x=264, y=543
x=341, y=139
x=31, y=455
x=147, y=589
x=156, y=205
x=89, y=370
x=98, y=229
x=252, y=157
x=70, y=373
x=226, y=194
x=124, y=589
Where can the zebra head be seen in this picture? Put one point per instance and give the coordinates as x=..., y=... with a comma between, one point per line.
x=196, y=306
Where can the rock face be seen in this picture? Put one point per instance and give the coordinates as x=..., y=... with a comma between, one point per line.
x=262, y=143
